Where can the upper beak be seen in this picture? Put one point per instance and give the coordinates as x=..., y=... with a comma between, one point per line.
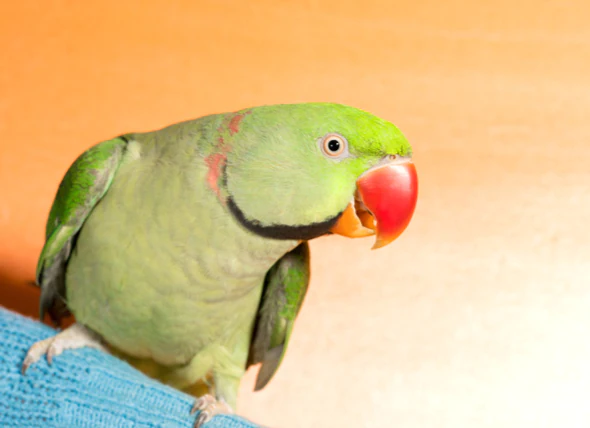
x=384, y=203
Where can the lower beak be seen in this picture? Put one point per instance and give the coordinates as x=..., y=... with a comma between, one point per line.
x=384, y=203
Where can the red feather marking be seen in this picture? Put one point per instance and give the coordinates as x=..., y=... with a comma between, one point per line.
x=215, y=162
x=234, y=123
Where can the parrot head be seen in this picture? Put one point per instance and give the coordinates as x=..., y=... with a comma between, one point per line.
x=299, y=171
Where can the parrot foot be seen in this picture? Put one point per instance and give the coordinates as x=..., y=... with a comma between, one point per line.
x=208, y=407
x=73, y=337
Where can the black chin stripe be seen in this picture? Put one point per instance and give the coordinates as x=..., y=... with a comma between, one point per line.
x=282, y=231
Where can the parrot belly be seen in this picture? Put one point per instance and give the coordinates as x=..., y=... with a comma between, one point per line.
x=161, y=270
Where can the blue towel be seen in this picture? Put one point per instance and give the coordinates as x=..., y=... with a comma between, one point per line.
x=84, y=388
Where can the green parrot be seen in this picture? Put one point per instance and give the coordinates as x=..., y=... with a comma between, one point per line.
x=188, y=246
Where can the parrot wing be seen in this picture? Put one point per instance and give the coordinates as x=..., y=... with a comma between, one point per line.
x=284, y=290
x=83, y=186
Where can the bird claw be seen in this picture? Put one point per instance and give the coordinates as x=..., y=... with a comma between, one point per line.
x=75, y=336
x=208, y=407
x=36, y=352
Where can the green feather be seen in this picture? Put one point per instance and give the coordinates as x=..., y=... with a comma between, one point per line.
x=285, y=287
x=82, y=187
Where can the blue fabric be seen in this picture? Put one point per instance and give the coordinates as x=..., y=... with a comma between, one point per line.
x=84, y=388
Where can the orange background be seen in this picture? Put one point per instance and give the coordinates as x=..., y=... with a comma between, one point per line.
x=479, y=314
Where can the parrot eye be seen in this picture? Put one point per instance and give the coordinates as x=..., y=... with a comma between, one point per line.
x=334, y=146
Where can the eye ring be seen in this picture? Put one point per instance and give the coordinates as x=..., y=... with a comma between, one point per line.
x=334, y=145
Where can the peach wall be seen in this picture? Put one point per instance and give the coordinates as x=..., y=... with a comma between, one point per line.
x=479, y=315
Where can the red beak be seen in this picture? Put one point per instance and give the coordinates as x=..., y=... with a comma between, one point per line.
x=386, y=199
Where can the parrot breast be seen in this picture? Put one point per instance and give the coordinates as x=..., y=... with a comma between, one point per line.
x=161, y=268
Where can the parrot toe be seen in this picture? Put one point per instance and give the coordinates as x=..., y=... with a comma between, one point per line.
x=208, y=406
x=73, y=337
